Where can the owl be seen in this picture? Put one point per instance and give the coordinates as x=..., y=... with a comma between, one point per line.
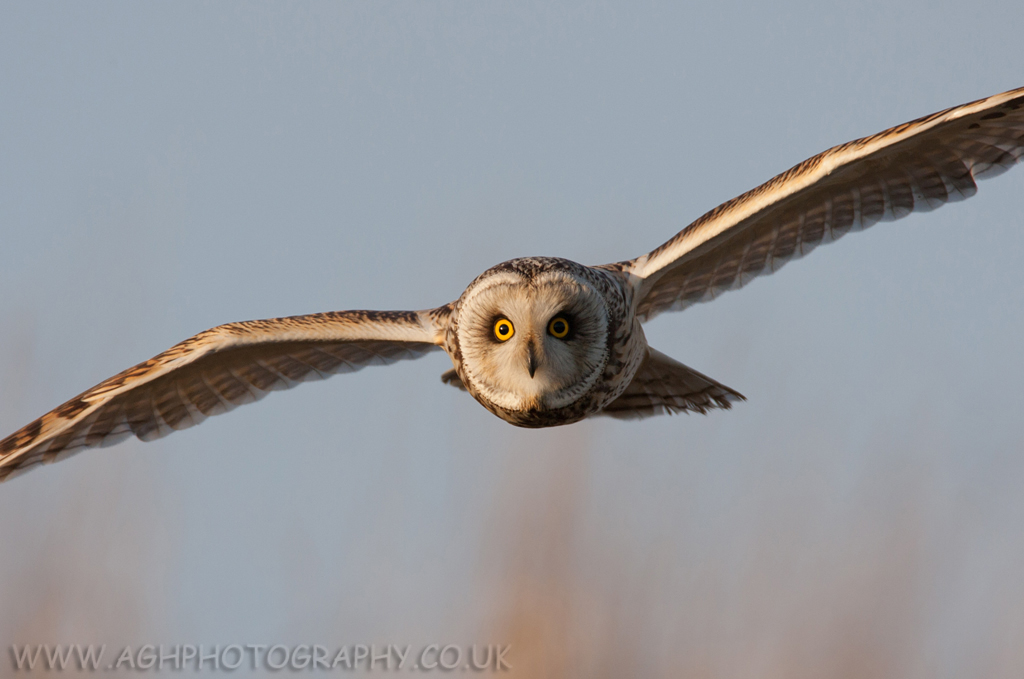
x=542, y=341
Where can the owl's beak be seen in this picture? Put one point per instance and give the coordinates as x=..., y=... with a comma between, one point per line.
x=532, y=356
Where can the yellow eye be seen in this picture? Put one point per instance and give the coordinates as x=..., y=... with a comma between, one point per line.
x=503, y=330
x=558, y=327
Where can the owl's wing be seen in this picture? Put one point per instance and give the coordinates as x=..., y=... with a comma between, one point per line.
x=216, y=370
x=919, y=165
x=663, y=385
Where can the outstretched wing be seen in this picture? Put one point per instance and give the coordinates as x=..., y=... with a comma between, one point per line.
x=215, y=371
x=919, y=166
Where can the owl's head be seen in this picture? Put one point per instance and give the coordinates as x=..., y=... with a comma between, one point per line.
x=533, y=334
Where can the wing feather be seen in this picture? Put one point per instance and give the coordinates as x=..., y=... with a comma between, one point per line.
x=216, y=371
x=917, y=166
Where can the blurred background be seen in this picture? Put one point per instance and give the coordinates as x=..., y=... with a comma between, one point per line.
x=169, y=167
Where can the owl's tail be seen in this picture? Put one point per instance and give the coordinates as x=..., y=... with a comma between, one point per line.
x=664, y=385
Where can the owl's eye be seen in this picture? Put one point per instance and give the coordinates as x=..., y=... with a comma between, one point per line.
x=503, y=330
x=558, y=327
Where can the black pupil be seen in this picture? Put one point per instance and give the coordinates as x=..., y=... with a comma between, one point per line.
x=503, y=329
x=559, y=327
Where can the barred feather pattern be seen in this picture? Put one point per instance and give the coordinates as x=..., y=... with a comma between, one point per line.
x=917, y=166
x=216, y=371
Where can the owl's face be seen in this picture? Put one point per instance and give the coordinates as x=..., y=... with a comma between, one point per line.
x=532, y=341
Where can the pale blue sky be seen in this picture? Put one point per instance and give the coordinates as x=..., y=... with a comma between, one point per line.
x=169, y=167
